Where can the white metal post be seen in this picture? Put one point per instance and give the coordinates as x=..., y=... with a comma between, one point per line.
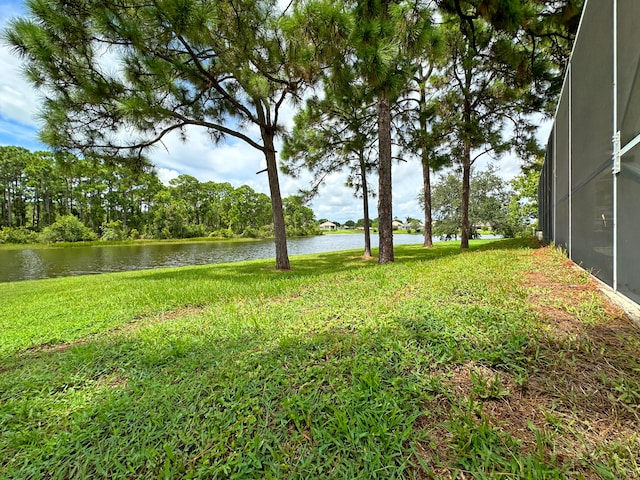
x=616, y=146
x=569, y=74
x=554, y=179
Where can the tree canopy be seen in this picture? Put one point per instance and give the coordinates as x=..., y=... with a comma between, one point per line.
x=120, y=77
x=334, y=134
x=488, y=203
x=115, y=202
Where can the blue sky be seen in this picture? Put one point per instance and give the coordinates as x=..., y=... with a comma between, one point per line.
x=17, y=100
x=233, y=162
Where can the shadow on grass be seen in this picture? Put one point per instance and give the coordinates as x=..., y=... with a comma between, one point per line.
x=173, y=400
x=341, y=401
x=130, y=295
x=188, y=399
x=332, y=262
x=338, y=403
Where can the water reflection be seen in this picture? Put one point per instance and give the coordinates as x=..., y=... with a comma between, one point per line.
x=30, y=263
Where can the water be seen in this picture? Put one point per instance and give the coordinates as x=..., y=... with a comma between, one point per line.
x=32, y=263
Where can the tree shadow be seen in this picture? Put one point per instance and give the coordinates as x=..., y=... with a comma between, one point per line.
x=302, y=398
x=331, y=262
x=206, y=397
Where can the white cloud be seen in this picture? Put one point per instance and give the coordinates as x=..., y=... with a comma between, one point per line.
x=228, y=162
x=335, y=201
x=407, y=182
x=166, y=174
x=19, y=101
x=12, y=133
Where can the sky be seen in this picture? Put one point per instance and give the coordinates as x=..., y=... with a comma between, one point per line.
x=234, y=161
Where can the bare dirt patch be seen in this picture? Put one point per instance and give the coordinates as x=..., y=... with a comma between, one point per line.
x=584, y=388
x=558, y=288
x=166, y=316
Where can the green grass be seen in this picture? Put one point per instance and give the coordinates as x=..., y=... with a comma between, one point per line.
x=340, y=368
x=149, y=241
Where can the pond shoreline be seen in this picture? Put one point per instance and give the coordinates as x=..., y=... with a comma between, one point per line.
x=30, y=262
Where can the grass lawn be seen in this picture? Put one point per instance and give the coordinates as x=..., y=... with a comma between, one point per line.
x=102, y=243
x=501, y=362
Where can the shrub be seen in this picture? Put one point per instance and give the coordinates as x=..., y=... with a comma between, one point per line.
x=304, y=231
x=266, y=231
x=67, y=229
x=17, y=235
x=250, y=232
x=222, y=233
x=193, y=231
x=112, y=231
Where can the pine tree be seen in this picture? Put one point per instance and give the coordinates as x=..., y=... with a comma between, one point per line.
x=118, y=78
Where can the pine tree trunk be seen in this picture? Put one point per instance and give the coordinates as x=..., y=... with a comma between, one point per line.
x=426, y=185
x=466, y=161
x=466, y=176
x=365, y=206
x=426, y=179
x=70, y=198
x=47, y=207
x=9, y=205
x=385, y=213
x=426, y=164
x=279, y=231
x=36, y=221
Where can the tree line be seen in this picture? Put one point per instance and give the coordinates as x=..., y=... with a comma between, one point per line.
x=115, y=201
x=446, y=81
x=496, y=206
x=504, y=208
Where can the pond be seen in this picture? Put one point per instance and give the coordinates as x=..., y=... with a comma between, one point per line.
x=33, y=263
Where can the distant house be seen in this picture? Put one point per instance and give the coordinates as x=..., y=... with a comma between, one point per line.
x=482, y=226
x=413, y=225
x=327, y=226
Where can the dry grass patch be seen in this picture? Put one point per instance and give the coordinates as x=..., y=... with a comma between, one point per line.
x=577, y=410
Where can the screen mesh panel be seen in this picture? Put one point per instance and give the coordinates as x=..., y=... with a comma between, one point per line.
x=545, y=195
x=628, y=69
x=562, y=172
x=591, y=146
x=628, y=258
x=629, y=225
x=587, y=150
